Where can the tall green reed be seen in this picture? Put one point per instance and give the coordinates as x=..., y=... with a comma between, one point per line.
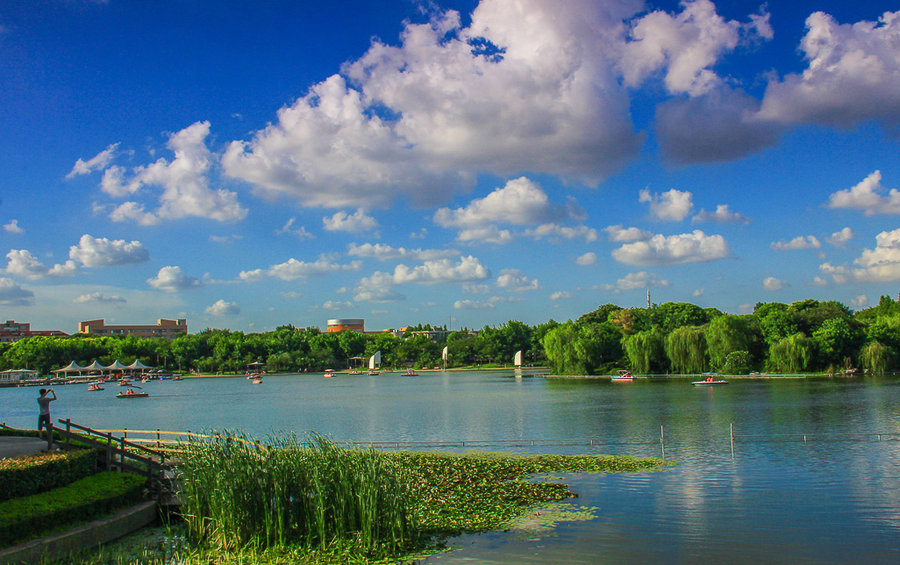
x=236, y=491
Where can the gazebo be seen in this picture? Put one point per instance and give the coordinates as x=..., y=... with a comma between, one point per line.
x=72, y=367
x=95, y=367
x=137, y=366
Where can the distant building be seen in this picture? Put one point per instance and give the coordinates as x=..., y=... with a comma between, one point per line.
x=12, y=331
x=341, y=324
x=163, y=328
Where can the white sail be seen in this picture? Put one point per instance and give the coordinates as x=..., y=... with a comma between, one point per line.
x=518, y=359
x=375, y=360
x=444, y=354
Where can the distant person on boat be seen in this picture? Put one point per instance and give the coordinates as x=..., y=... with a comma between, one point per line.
x=709, y=379
x=44, y=401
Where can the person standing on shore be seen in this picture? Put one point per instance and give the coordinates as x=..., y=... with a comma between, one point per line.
x=44, y=401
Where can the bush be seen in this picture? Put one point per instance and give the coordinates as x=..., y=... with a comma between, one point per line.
x=33, y=474
x=85, y=499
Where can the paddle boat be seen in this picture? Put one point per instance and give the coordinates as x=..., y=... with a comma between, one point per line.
x=131, y=393
x=710, y=381
x=410, y=373
x=256, y=380
x=328, y=373
x=373, y=372
x=622, y=377
x=95, y=386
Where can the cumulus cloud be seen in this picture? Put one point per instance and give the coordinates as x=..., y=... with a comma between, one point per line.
x=673, y=205
x=722, y=215
x=336, y=305
x=561, y=295
x=520, y=202
x=626, y=235
x=487, y=234
x=694, y=247
x=514, y=280
x=184, y=182
x=101, y=252
x=96, y=163
x=799, y=242
x=13, y=227
x=556, y=231
x=868, y=196
x=473, y=305
x=467, y=269
x=860, y=301
x=23, y=264
x=11, y=294
x=359, y=221
x=99, y=298
x=384, y=252
x=173, y=279
x=852, y=75
x=526, y=86
x=588, y=258
x=881, y=264
x=772, y=284
x=379, y=287
x=685, y=46
x=840, y=238
x=223, y=308
x=292, y=269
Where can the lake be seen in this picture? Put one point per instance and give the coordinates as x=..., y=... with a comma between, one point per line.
x=809, y=480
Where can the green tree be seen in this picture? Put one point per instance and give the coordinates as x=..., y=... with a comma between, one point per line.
x=793, y=354
x=687, y=350
x=646, y=351
x=837, y=339
x=725, y=334
x=877, y=358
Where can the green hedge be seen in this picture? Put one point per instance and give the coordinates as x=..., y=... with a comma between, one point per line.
x=34, y=474
x=85, y=499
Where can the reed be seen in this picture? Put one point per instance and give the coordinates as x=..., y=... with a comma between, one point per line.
x=236, y=492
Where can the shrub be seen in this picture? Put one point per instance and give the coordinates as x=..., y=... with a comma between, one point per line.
x=33, y=474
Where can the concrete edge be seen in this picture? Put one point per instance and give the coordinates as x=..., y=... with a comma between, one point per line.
x=86, y=536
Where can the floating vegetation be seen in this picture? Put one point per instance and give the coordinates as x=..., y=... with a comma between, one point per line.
x=283, y=502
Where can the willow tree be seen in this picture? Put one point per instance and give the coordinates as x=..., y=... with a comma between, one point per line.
x=646, y=351
x=876, y=358
x=727, y=334
x=792, y=354
x=581, y=348
x=687, y=350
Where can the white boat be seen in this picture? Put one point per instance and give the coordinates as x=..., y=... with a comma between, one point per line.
x=328, y=373
x=710, y=381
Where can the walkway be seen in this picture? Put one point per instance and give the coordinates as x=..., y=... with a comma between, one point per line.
x=12, y=446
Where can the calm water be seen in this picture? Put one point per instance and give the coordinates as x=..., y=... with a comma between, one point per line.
x=834, y=498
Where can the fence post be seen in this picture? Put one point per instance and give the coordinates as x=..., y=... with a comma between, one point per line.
x=68, y=431
x=50, y=438
x=109, y=458
x=157, y=438
x=732, y=440
x=662, y=440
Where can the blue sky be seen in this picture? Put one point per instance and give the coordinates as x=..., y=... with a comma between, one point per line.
x=251, y=164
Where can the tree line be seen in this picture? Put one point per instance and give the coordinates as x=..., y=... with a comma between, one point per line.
x=675, y=337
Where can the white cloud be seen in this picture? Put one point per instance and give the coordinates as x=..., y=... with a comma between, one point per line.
x=23, y=264
x=184, y=181
x=839, y=273
x=686, y=45
x=697, y=293
x=379, y=287
x=860, y=301
x=96, y=163
x=840, y=238
x=473, y=305
x=13, y=227
x=520, y=202
x=642, y=279
x=722, y=215
x=626, y=235
x=468, y=269
x=472, y=288
x=549, y=100
x=173, y=279
x=223, y=308
x=11, y=294
x=561, y=295
x=556, y=231
x=99, y=298
x=300, y=232
x=514, y=280
x=588, y=258
x=293, y=269
x=488, y=234
x=101, y=252
x=353, y=223
x=819, y=281
x=673, y=205
x=852, y=75
x=384, y=252
x=772, y=284
x=799, y=242
x=868, y=197
x=694, y=247
x=881, y=264
x=336, y=305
